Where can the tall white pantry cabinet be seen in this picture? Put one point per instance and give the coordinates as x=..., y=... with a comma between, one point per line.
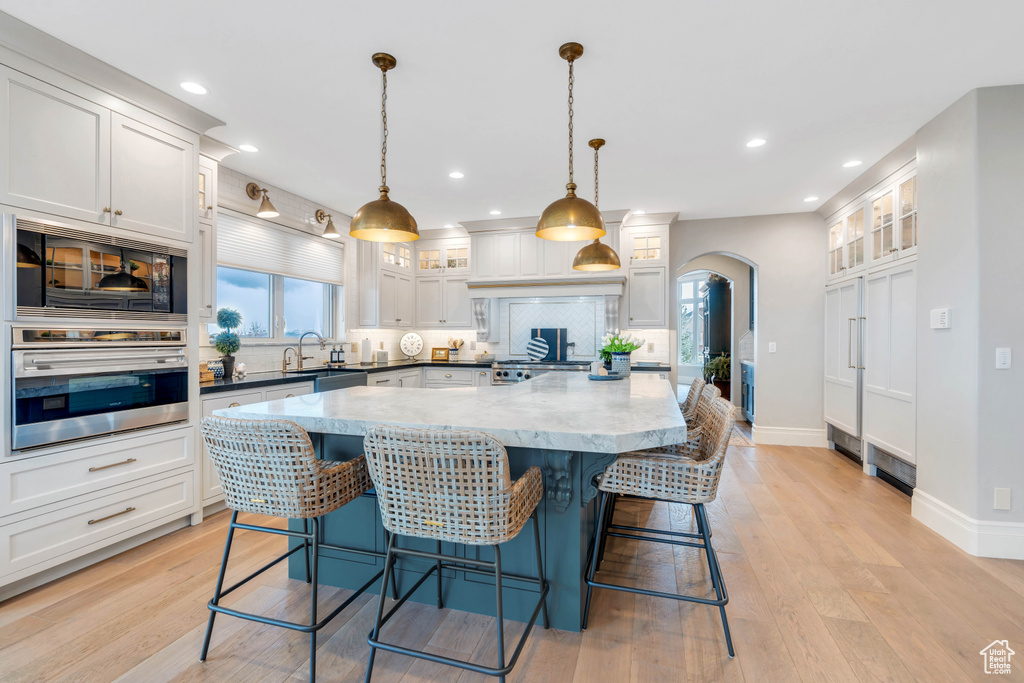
x=870, y=382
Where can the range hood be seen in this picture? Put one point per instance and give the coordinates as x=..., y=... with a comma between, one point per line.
x=547, y=287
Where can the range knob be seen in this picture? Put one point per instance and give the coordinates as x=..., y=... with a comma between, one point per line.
x=504, y=373
x=527, y=376
x=519, y=373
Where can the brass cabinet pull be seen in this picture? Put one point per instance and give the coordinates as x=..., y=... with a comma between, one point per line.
x=118, y=212
x=234, y=405
x=483, y=373
x=115, y=464
x=116, y=514
x=106, y=209
x=290, y=396
x=448, y=374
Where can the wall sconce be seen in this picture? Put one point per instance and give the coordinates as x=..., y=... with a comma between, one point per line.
x=267, y=209
x=330, y=232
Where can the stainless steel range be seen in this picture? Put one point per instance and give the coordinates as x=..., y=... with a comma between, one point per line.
x=514, y=371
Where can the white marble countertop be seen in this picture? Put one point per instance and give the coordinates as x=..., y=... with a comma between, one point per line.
x=556, y=411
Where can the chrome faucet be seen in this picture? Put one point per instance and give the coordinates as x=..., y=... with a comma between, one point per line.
x=323, y=345
x=285, y=362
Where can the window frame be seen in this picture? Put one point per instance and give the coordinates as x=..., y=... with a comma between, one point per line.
x=333, y=314
x=695, y=319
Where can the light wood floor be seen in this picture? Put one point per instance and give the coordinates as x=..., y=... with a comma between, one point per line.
x=829, y=578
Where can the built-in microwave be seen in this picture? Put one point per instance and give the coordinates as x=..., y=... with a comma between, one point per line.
x=60, y=271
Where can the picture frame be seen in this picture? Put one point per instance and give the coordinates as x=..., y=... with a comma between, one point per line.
x=439, y=353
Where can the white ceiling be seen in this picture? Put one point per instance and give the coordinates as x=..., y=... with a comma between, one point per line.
x=676, y=87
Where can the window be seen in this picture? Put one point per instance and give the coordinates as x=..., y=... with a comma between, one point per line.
x=276, y=306
x=691, y=342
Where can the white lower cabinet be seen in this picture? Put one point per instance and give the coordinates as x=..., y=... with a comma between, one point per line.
x=442, y=378
x=382, y=379
x=410, y=379
x=482, y=378
x=64, y=532
x=211, y=488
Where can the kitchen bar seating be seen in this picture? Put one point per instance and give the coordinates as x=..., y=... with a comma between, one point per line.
x=692, y=396
x=268, y=467
x=451, y=486
x=673, y=475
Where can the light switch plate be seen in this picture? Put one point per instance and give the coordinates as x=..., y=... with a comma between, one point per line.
x=650, y=347
x=771, y=347
x=1004, y=359
x=940, y=318
x=1002, y=499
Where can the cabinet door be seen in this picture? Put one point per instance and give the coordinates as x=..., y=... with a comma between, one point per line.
x=482, y=264
x=55, y=150
x=647, y=246
x=455, y=256
x=383, y=379
x=890, y=361
x=557, y=262
x=482, y=378
x=152, y=180
x=289, y=391
x=410, y=379
x=388, y=298
x=404, y=300
x=647, y=295
x=206, y=189
x=458, y=311
x=212, y=490
x=429, y=293
x=531, y=255
x=506, y=255
x=843, y=356
x=206, y=242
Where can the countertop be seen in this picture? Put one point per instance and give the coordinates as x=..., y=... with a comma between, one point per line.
x=556, y=411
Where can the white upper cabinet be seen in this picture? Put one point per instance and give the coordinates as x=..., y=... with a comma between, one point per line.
x=206, y=236
x=906, y=196
x=396, y=293
x=647, y=246
x=429, y=304
x=531, y=255
x=386, y=284
x=882, y=232
x=836, y=252
x=855, y=240
x=396, y=256
x=55, y=149
x=70, y=157
x=648, y=296
x=442, y=297
x=458, y=311
x=151, y=180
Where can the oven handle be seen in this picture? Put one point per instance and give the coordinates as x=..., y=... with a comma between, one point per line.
x=34, y=363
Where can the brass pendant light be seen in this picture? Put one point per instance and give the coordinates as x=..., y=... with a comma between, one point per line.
x=596, y=256
x=571, y=218
x=383, y=220
x=122, y=281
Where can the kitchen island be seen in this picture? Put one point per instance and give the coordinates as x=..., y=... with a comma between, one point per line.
x=565, y=424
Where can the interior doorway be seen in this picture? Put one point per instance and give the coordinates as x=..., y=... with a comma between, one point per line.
x=705, y=325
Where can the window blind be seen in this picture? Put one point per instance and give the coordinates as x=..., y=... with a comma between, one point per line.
x=254, y=244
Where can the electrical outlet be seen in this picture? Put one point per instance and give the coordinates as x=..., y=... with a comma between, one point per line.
x=1002, y=499
x=771, y=347
x=355, y=347
x=1003, y=359
x=472, y=346
x=650, y=347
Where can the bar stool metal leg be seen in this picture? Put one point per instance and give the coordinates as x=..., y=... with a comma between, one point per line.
x=540, y=566
x=440, y=602
x=592, y=569
x=315, y=525
x=220, y=585
x=715, y=570
x=305, y=545
x=388, y=560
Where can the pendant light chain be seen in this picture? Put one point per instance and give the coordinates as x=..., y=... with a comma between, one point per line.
x=572, y=79
x=384, y=118
x=596, y=205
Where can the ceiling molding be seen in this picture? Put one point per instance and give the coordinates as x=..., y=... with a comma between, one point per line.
x=634, y=220
x=215, y=149
x=43, y=48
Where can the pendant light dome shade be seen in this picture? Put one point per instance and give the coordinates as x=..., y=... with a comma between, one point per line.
x=596, y=256
x=571, y=218
x=383, y=220
x=122, y=281
x=27, y=258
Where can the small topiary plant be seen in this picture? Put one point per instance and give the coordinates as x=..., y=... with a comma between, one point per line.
x=227, y=342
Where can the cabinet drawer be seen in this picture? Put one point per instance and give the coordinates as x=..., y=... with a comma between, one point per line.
x=454, y=376
x=289, y=391
x=66, y=532
x=32, y=482
x=230, y=401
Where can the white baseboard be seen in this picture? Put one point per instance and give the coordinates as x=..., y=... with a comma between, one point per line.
x=790, y=436
x=981, y=538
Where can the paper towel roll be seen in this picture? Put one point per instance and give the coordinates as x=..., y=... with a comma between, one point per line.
x=367, y=352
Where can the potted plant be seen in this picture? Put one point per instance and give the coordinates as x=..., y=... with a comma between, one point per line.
x=227, y=342
x=719, y=371
x=616, y=349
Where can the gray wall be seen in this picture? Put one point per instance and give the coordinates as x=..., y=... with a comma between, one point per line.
x=790, y=255
x=971, y=170
x=739, y=273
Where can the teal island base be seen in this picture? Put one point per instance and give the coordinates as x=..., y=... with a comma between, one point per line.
x=567, y=515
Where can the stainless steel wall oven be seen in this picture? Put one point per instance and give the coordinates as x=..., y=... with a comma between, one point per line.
x=76, y=383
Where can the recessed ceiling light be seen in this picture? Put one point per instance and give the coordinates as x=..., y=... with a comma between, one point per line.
x=194, y=88
x=639, y=212
x=756, y=142
x=448, y=225
x=495, y=212
x=248, y=148
x=812, y=198
x=456, y=175
x=852, y=163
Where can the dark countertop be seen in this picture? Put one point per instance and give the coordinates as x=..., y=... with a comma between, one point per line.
x=266, y=379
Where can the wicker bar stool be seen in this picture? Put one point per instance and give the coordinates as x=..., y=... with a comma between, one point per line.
x=451, y=486
x=692, y=395
x=671, y=475
x=268, y=467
